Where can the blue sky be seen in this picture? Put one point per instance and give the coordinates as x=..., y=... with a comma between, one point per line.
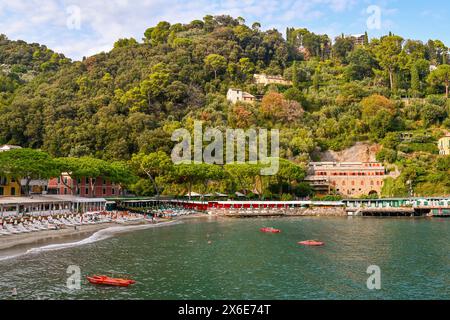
x=80, y=28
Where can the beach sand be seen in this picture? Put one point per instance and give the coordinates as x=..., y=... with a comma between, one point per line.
x=11, y=241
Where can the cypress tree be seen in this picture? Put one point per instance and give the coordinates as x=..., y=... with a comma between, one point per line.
x=415, y=80
x=295, y=75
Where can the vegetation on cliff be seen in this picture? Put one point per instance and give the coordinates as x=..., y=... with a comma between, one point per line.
x=128, y=101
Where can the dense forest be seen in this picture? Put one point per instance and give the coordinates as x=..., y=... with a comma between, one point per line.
x=123, y=105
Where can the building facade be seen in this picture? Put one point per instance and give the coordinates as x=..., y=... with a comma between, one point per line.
x=349, y=179
x=42, y=206
x=358, y=39
x=268, y=80
x=84, y=187
x=9, y=187
x=235, y=95
x=444, y=145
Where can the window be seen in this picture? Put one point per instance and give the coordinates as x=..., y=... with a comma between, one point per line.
x=104, y=191
x=13, y=191
x=65, y=190
x=113, y=191
x=2, y=191
x=86, y=191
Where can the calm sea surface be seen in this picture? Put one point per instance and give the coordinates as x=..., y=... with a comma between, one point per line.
x=231, y=259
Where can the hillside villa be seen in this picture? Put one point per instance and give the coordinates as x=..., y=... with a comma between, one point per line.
x=444, y=145
x=268, y=80
x=358, y=39
x=235, y=95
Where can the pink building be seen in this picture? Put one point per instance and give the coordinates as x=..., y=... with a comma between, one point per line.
x=99, y=188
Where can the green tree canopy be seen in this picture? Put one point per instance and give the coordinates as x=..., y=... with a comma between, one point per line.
x=27, y=164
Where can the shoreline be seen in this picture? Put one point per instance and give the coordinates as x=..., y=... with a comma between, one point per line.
x=16, y=242
x=12, y=242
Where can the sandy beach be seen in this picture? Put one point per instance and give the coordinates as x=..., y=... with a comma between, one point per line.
x=11, y=241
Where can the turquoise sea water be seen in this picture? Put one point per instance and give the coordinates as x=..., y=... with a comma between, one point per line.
x=231, y=259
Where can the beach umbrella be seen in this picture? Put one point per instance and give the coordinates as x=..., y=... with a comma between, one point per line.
x=193, y=194
x=221, y=195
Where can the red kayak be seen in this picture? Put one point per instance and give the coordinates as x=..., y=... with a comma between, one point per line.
x=107, y=281
x=312, y=243
x=270, y=230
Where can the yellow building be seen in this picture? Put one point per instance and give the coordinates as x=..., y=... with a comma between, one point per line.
x=9, y=187
x=444, y=145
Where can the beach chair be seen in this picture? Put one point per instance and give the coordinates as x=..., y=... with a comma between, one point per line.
x=13, y=230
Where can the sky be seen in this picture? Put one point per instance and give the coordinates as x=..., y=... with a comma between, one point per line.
x=80, y=28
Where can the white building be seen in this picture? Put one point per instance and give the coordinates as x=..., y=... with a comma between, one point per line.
x=235, y=95
x=266, y=80
x=8, y=148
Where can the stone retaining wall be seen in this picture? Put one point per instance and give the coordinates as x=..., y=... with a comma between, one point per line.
x=298, y=212
x=319, y=212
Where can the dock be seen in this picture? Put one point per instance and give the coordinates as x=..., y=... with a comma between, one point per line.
x=383, y=212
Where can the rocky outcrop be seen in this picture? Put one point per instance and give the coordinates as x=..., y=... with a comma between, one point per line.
x=360, y=152
x=319, y=212
x=297, y=212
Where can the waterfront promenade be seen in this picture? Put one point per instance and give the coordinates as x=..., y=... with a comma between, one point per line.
x=410, y=207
